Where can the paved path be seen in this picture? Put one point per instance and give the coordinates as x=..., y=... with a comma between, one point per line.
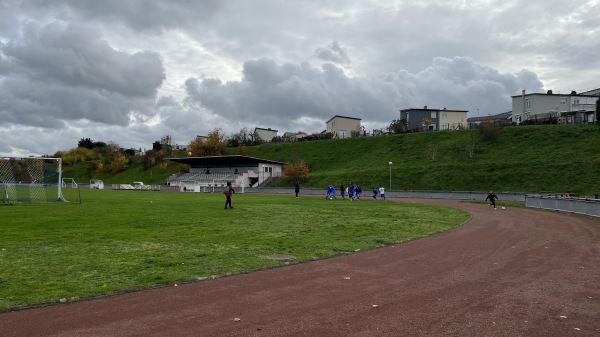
x=513, y=272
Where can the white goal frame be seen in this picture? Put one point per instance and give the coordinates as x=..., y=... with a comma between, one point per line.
x=69, y=182
x=30, y=179
x=97, y=184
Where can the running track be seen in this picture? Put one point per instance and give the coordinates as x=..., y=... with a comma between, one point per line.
x=513, y=272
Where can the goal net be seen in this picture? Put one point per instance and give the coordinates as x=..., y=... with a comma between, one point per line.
x=30, y=180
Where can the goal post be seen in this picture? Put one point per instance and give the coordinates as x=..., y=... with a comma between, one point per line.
x=31, y=180
x=69, y=182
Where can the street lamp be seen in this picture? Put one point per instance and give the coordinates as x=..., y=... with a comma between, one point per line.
x=390, y=176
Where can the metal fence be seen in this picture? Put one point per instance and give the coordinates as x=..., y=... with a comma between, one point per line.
x=585, y=206
x=457, y=195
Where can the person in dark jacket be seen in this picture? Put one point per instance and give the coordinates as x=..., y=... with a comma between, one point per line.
x=297, y=188
x=342, y=190
x=228, y=192
x=492, y=198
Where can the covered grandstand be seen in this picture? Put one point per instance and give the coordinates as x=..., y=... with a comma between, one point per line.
x=210, y=172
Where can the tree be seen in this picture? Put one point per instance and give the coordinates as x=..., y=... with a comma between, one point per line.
x=77, y=154
x=100, y=168
x=214, y=145
x=242, y=150
x=298, y=170
x=489, y=129
x=85, y=143
x=196, y=146
x=167, y=144
x=431, y=151
x=472, y=144
x=397, y=126
x=88, y=143
x=118, y=164
x=244, y=136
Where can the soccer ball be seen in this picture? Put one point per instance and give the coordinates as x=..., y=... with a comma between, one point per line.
x=503, y=207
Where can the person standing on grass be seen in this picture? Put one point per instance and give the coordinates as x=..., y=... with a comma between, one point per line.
x=382, y=193
x=330, y=192
x=492, y=198
x=342, y=190
x=358, y=192
x=351, y=191
x=228, y=192
x=297, y=188
x=375, y=192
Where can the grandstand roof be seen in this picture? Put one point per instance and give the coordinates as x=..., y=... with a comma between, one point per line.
x=234, y=160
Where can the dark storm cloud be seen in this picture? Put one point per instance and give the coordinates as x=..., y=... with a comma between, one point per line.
x=280, y=96
x=60, y=73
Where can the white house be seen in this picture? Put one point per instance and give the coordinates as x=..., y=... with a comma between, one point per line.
x=342, y=126
x=265, y=135
x=434, y=119
x=544, y=105
x=293, y=136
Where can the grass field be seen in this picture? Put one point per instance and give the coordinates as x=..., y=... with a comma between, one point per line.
x=116, y=240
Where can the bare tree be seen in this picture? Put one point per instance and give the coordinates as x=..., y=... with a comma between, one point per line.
x=472, y=144
x=431, y=151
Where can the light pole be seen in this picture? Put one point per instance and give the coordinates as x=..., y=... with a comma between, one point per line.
x=390, y=176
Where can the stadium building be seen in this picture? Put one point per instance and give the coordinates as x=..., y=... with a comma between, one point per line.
x=207, y=173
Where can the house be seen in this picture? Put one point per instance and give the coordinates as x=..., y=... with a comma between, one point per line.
x=593, y=92
x=504, y=118
x=342, y=126
x=540, y=106
x=434, y=119
x=264, y=135
x=576, y=117
x=293, y=136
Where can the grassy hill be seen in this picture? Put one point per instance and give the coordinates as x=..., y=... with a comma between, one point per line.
x=543, y=158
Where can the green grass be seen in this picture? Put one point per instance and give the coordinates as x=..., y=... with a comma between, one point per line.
x=117, y=240
x=526, y=159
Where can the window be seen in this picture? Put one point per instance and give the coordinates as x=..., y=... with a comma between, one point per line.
x=576, y=102
x=563, y=101
x=528, y=103
x=444, y=115
x=433, y=115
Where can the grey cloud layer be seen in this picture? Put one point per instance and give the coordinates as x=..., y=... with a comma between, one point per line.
x=279, y=96
x=94, y=68
x=59, y=73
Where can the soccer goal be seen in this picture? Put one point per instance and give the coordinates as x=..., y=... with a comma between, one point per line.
x=30, y=180
x=97, y=184
x=69, y=182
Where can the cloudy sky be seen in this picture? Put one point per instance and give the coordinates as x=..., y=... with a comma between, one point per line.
x=132, y=71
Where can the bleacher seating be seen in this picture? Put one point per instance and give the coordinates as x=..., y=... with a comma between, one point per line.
x=217, y=178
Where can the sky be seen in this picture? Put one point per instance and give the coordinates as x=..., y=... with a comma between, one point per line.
x=131, y=72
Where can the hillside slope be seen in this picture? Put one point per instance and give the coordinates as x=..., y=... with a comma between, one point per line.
x=543, y=158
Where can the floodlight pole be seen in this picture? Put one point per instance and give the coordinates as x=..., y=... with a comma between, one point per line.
x=390, y=176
